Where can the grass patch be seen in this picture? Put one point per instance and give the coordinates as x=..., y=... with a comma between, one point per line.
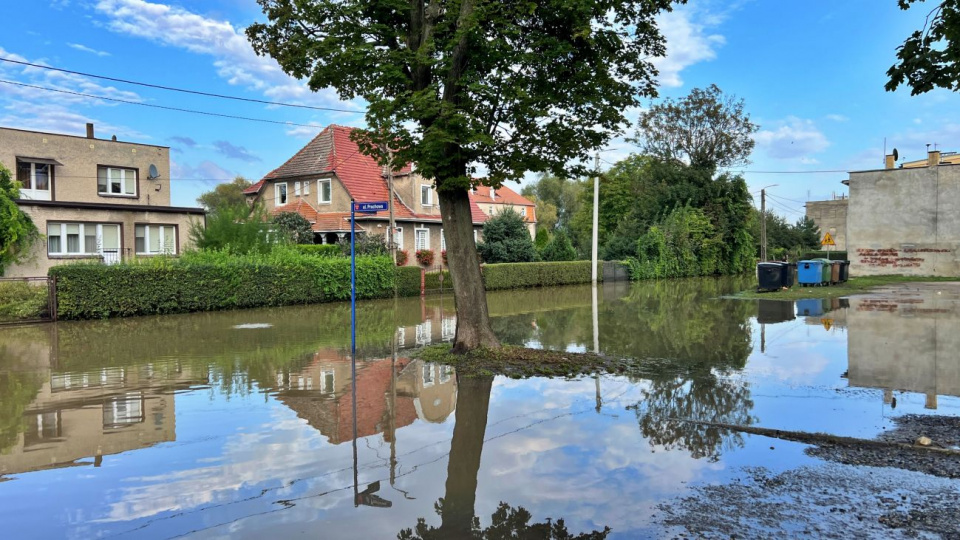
x=856, y=285
x=22, y=301
x=521, y=362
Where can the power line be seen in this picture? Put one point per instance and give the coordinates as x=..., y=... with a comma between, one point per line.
x=825, y=171
x=183, y=90
x=164, y=107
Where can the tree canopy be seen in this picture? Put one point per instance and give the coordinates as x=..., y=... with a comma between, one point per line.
x=557, y=200
x=226, y=195
x=452, y=85
x=295, y=226
x=930, y=57
x=704, y=129
x=17, y=230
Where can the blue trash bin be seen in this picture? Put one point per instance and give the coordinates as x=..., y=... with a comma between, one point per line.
x=810, y=307
x=810, y=273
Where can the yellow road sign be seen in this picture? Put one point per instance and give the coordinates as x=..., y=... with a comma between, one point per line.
x=827, y=323
x=827, y=240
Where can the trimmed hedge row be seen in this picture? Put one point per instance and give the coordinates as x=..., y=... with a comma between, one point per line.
x=320, y=250
x=542, y=274
x=86, y=291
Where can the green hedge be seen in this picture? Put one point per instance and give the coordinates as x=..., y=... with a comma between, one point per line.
x=320, y=250
x=161, y=286
x=542, y=274
x=408, y=280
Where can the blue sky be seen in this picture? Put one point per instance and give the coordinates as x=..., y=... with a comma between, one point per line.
x=811, y=73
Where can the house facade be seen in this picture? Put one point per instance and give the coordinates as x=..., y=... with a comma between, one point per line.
x=492, y=201
x=93, y=199
x=905, y=220
x=320, y=180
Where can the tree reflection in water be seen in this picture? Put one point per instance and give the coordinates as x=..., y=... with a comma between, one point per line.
x=456, y=508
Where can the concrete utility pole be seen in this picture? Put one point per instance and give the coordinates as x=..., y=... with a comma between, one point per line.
x=763, y=225
x=596, y=217
x=763, y=222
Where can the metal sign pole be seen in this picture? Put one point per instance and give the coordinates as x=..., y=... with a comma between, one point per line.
x=353, y=343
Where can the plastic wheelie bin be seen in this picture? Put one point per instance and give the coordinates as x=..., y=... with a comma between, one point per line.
x=810, y=272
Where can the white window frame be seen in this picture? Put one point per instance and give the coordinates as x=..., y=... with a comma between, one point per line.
x=32, y=192
x=474, y=236
x=416, y=237
x=428, y=375
x=306, y=187
x=331, y=374
x=443, y=241
x=320, y=187
x=296, y=188
x=164, y=230
x=424, y=333
x=276, y=194
x=425, y=190
x=398, y=237
x=84, y=229
x=124, y=172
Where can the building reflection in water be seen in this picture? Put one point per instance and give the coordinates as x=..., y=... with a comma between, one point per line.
x=52, y=418
x=905, y=341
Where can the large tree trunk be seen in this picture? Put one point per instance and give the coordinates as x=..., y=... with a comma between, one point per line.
x=457, y=511
x=473, y=320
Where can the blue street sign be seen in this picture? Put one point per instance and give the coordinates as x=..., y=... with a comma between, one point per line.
x=370, y=207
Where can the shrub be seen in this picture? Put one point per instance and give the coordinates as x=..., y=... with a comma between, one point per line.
x=319, y=250
x=506, y=239
x=432, y=281
x=17, y=231
x=408, y=280
x=425, y=257
x=214, y=280
x=402, y=257
x=296, y=227
x=559, y=248
x=21, y=300
x=237, y=229
x=366, y=244
x=544, y=274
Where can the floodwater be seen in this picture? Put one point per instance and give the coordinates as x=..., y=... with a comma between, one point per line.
x=241, y=424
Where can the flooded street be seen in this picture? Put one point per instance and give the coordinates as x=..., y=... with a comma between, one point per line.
x=241, y=425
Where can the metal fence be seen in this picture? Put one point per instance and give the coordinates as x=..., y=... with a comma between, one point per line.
x=27, y=300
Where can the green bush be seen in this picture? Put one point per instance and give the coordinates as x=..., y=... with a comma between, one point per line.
x=294, y=226
x=237, y=229
x=319, y=250
x=544, y=274
x=408, y=280
x=559, y=248
x=206, y=281
x=506, y=240
x=20, y=300
x=432, y=281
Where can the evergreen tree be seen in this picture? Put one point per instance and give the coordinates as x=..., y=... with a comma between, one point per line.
x=506, y=239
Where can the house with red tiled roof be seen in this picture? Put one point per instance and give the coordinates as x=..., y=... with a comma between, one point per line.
x=492, y=201
x=320, y=180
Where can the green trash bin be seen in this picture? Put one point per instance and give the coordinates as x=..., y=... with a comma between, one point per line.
x=827, y=271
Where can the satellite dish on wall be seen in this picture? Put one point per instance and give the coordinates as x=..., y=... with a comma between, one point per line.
x=153, y=174
x=896, y=155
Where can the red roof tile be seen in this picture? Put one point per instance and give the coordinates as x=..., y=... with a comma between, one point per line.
x=504, y=195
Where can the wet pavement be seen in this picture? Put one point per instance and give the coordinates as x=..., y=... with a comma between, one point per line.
x=241, y=424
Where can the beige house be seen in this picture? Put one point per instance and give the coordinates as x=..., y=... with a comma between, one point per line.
x=93, y=199
x=319, y=181
x=492, y=201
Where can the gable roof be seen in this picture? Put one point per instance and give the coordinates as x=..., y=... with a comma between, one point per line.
x=504, y=195
x=333, y=152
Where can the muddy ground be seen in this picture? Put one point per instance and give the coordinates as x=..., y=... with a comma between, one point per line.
x=859, y=491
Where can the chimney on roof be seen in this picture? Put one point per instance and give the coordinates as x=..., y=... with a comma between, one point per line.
x=933, y=158
x=89, y=130
x=889, y=161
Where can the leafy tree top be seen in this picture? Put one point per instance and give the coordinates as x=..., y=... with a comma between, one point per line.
x=295, y=226
x=452, y=84
x=17, y=230
x=226, y=195
x=707, y=129
x=506, y=239
x=930, y=57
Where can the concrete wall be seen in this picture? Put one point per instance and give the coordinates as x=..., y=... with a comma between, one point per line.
x=905, y=221
x=76, y=179
x=38, y=262
x=830, y=216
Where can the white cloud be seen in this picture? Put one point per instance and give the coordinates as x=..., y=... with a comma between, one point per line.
x=57, y=118
x=837, y=118
x=206, y=171
x=689, y=41
x=84, y=48
x=303, y=132
x=234, y=58
x=792, y=139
